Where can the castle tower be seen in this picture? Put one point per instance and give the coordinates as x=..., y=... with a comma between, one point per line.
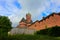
x=24, y=23
x=28, y=19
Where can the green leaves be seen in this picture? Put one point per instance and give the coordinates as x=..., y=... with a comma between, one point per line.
x=54, y=31
x=5, y=26
x=5, y=23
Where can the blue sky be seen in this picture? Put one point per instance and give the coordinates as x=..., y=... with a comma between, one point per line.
x=16, y=9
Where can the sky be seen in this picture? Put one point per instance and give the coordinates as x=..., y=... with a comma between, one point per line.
x=17, y=9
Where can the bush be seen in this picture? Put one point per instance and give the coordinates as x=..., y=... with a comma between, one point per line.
x=31, y=37
x=22, y=37
x=54, y=31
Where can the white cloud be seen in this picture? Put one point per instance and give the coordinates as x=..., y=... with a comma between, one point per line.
x=35, y=7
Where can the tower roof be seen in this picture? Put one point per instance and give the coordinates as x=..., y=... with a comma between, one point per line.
x=28, y=14
x=22, y=20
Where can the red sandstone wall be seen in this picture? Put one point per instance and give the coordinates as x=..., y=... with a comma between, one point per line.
x=42, y=25
x=50, y=22
x=53, y=20
x=35, y=26
x=57, y=18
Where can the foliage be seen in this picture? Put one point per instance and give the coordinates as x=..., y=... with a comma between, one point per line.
x=31, y=37
x=5, y=26
x=54, y=31
x=5, y=23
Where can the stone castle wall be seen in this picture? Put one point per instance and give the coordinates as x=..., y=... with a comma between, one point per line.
x=15, y=31
x=53, y=20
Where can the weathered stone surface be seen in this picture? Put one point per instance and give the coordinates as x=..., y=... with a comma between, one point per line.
x=22, y=31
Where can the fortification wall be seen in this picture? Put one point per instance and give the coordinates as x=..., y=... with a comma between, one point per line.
x=53, y=20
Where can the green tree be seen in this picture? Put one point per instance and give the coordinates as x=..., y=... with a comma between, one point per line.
x=5, y=26
x=5, y=23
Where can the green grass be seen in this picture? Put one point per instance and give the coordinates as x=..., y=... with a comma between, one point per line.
x=32, y=37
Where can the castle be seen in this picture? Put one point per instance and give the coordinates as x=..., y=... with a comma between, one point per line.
x=46, y=22
x=27, y=26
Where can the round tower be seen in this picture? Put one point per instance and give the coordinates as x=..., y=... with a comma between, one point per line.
x=28, y=19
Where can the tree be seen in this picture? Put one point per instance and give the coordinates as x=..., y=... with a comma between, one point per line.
x=5, y=25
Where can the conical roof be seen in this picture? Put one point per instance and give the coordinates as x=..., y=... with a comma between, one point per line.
x=23, y=20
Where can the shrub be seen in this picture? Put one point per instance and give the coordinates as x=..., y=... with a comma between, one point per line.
x=54, y=31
